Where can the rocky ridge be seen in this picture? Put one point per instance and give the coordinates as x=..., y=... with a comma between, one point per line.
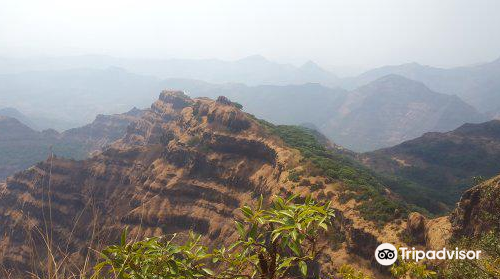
x=186, y=164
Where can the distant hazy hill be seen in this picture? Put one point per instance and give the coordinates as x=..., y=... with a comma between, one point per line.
x=21, y=146
x=446, y=162
x=14, y=113
x=74, y=97
x=478, y=85
x=252, y=70
x=393, y=109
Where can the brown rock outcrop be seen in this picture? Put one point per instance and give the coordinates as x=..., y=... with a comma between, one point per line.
x=431, y=233
x=186, y=164
x=415, y=227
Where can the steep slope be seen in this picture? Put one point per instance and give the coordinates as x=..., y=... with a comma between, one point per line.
x=478, y=85
x=443, y=162
x=188, y=164
x=393, y=109
x=477, y=213
x=21, y=147
x=14, y=129
x=14, y=113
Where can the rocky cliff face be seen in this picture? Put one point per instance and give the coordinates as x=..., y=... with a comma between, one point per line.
x=478, y=211
x=476, y=214
x=186, y=164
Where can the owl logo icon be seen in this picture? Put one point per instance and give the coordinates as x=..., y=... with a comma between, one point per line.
x=386, y=254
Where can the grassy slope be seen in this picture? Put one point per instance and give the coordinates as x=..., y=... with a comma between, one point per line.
x=361, y=184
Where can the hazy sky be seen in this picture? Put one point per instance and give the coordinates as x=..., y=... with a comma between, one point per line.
x=332, y=33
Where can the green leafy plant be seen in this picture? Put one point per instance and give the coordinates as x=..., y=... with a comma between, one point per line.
x=272, y=244
x=284, y=236
x=154, y=258
x=294, y=176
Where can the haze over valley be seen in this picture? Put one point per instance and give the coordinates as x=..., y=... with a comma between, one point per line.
x=68, y=92
x=249, y=139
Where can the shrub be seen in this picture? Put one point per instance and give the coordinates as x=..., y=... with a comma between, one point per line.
x=273, y=243
x=193, y=141
x=317, y=186
x=294, y=176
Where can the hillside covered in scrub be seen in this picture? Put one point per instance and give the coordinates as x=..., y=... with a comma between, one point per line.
x=445, y=164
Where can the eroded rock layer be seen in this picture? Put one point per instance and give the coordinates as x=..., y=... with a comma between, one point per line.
x=186, y=164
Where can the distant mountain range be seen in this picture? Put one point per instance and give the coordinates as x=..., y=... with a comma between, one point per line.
x=381, y=108
x=445, y=163
x=478, y=85
x=385, y=112
x=251, y=70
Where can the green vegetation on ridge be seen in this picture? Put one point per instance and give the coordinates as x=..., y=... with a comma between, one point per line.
x=442, y=164
x=360, y=183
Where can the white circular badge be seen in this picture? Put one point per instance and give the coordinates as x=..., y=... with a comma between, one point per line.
x=386, y=254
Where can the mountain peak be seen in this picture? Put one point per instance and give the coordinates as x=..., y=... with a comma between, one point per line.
x=135, y=112
x=395, y=78
x=398, y=82
x=412, y=65
x=310, y=65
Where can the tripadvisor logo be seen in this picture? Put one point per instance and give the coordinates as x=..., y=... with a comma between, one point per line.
x=387, y=254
